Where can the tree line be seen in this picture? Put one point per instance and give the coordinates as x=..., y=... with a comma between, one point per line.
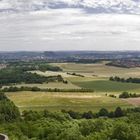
x=125, y=94
x=128, y=80
x=25, y=88
x=128, y=95
x=33, y=65
x=90, y=115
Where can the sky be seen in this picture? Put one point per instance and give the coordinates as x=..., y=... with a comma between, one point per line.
x=68, y=29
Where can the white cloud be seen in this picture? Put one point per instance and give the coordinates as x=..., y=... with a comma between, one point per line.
x=67, y=29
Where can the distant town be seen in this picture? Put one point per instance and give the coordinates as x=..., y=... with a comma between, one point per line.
x=128, y=59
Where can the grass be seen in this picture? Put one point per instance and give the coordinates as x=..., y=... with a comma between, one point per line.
x=69, y=101
x=51, y=85
x=108, y=86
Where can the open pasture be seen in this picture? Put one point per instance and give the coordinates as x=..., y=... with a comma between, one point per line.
x=69, y=101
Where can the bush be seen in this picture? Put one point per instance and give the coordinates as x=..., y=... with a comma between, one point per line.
x=118, y=112
x=103, y=112
x=124, y=95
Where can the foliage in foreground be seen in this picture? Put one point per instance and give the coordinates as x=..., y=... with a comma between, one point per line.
x=68, y=125
x=60, y=126
x=8, y=111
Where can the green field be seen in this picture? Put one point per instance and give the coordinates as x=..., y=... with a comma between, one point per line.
x=68, y=101
x=108, y=86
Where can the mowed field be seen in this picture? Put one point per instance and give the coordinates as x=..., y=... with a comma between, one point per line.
x=69, y=101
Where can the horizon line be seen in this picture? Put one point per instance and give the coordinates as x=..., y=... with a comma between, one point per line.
x=69, y=51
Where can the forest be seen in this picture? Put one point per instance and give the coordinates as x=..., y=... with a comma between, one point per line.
x=16, y=72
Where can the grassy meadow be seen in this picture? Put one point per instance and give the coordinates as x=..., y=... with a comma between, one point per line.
x=69, y=101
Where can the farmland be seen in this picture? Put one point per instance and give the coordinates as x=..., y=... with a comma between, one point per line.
x=96, y=77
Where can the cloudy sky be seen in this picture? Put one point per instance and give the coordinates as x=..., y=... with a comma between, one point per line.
x=69, y=25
